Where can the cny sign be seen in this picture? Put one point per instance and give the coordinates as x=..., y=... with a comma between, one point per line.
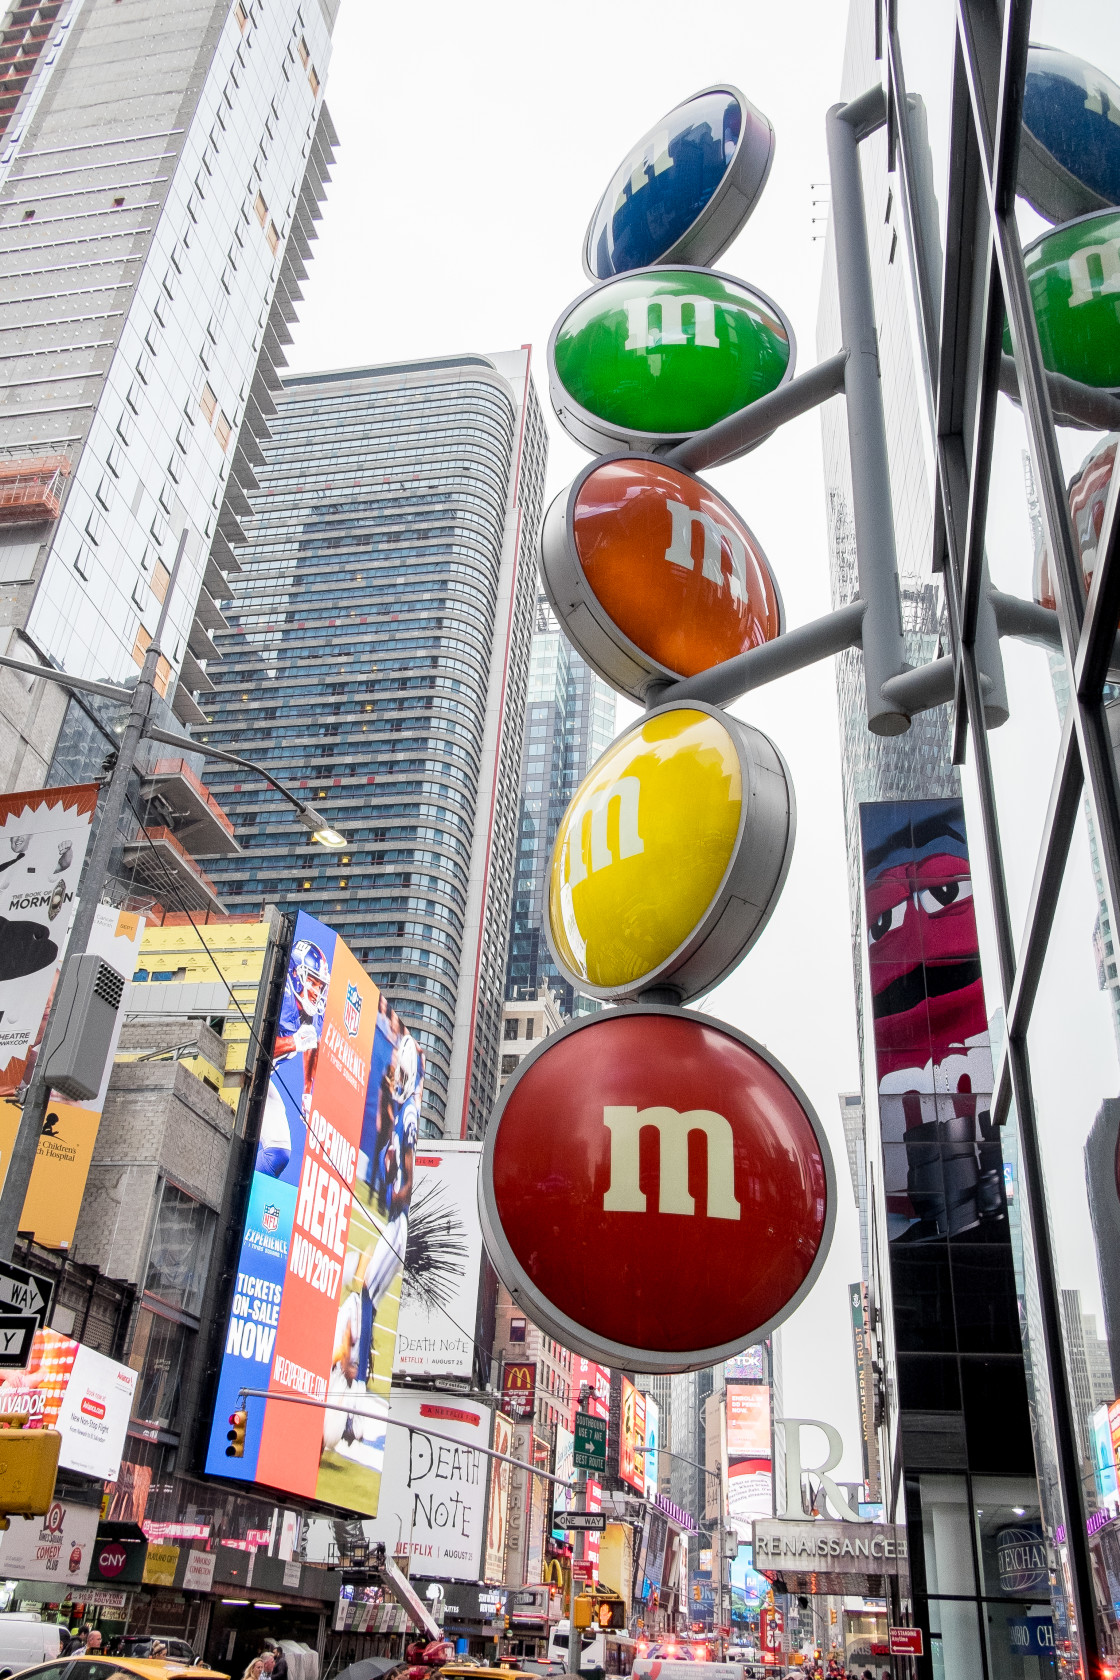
x=652, y=575
x=655, y=1192
x=671, y=855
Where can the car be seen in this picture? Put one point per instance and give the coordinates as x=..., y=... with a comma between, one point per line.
x=140, y=1645
x=100, y=1667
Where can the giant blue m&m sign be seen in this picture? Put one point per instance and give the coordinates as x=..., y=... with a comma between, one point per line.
x=1069, y=162
x=683, y=192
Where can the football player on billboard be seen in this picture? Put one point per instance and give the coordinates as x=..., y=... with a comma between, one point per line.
x=374, y=1270
x=299, y=1030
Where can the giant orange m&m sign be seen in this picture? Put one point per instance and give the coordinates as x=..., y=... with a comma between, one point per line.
x=654, y=576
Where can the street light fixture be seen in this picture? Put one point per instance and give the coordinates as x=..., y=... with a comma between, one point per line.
x=137, y=727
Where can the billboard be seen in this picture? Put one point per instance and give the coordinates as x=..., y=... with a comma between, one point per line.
x=497, y=1513
x=653, y=1441
x=750, y=1492
x=88, y=1398
x=443, y=1264
x=748, y=1420
x=433, y=1492
x=1104, y=1454
x=317, y=1290
x=597, y=1379
x=563, y=1498
x=748, y=1366
x=58, y=1178
x=43, y=839
x=942, y=1159
x=632, y=1437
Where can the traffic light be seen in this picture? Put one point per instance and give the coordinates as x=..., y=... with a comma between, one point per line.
x=28, y=1467
x=581, y=1611
x=235, y=1435
x=610, y=1611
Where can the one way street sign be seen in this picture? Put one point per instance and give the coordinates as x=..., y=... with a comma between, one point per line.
x=595, y=1521
x=17, y=1332
x=23, y=1292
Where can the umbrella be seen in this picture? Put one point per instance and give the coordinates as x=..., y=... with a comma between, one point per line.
x=370, y=1668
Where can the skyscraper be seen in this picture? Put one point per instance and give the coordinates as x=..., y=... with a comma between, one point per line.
x=570, y=719
x=156, y=208
x=377, y=656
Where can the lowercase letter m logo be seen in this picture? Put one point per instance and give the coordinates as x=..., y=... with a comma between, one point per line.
x=353, y=1011
x=624, y=1194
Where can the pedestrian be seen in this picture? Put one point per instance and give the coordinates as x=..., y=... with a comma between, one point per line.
x=93, y=1642
x=279, y=1661
x=260, y=1668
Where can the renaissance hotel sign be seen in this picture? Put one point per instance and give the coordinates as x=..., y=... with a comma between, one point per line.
x=829, y=1557
x=656, y=1191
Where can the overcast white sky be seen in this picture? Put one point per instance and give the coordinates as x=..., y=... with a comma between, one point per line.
x=475, y=142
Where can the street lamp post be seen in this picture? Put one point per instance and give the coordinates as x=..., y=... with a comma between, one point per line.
x=137, y=728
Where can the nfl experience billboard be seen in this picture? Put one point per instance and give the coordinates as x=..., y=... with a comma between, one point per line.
x=314, y=1309
x=439, y=1293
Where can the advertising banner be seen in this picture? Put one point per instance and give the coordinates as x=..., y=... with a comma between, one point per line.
x=865, y=1378
x=317, y=1292
x=57, y=1547
x=597, y=1379
x=1104, y=1454
x=433, y=1493
x=563, y=1498
x=748, y=1366
x=632, y=1437
x=43, y=839
x=653, y=1433
x=58, y=1178
x=942, y=1158
x=439, y=1294
x=497, y=1514
x=750, y=1493
x=72, y=1388
x=748, y=1420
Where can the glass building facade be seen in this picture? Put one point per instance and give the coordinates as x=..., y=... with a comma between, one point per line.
x=377, y=659
x=157, y=210
x=570, y=720
x=1000, y=1333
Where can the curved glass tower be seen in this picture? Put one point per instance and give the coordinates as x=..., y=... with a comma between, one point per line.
x=377, y=659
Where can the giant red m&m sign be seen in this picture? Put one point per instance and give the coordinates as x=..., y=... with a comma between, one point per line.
x=656, y=1192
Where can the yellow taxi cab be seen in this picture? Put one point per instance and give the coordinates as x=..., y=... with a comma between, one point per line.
x=101, y=1667
x=464, y=1669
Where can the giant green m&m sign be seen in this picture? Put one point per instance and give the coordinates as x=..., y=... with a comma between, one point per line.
x=661, y=353
x=1074, y=276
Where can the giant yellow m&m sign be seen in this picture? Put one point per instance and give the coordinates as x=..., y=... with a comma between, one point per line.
x=671, y=855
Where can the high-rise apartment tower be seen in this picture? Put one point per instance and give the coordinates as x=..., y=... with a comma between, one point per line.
x=570, y=719
x=161, y=171
x=378, y=656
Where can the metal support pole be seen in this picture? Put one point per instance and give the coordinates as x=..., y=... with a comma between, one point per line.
x=22, y=1160
x=730, y=438
x=760, y=665
x=884, y=648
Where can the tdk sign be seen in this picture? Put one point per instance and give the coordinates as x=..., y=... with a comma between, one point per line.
x=686, y=188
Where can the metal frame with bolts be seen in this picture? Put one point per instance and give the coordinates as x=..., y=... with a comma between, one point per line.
x=983, y=282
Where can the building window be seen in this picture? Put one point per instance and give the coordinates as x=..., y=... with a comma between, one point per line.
x=510, y=1028
x=314, y=80
x=530, y=1025
x=223, y=429
x=517, y=1329
x=208, y=403
x=159, y=1348
x=180, y=1252
x=304, y=55
x=242, y=16
x=271, y=233
x=261, y=209
x=509, y=1064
